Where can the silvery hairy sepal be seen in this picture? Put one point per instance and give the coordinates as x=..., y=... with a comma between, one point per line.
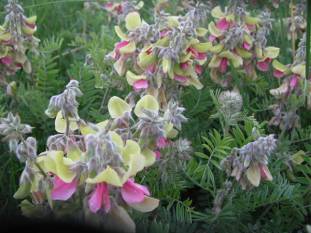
x=259, y=149
x=12, y=129
x=234, y=37
x=300, y=55
x=183, y=148
x=56, y=142
x=231, y=102
x=65, y=102
x=101, y=151
x=27, y=174
x=27, y=149
x=174, y=114
x=150, y=124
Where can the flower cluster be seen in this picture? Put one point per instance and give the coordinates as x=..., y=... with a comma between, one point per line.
x=297, y=24
x=292, y=77
x=170, y=51
x=248, y=164
x=238, y=40
x=16, y=38
x=96, y=162
x=116, y=9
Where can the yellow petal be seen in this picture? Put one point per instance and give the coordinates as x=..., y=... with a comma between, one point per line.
x=166, y=65
x=31, y=20
x=173, y=21
x=136, y=164
x=217, y=12
x=149, y=204
x=236, y=60
x=131, y=148
x=119, y=67
x=61, y=124
x=203, y=47
x=74, y=154
x=150, y=157
x=217, y=48
x=62, y=166
x=132, y=78
x=28, y=30
x=271, y=52
x=109, y=176
x=201, y=32
x=130, y=48
x=300, y=70
x=116, y=138
x=251, y=20
x=117, y=107
x=120, y=33
x=145, y=59
x=215, y=62
x=132, y=21
x=253, y=175
x=279, y=66
x=5, y=36
x=214, y=30
x=147, y=102
x=244, y=53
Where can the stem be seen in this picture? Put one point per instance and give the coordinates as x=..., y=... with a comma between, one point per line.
x=292, y=32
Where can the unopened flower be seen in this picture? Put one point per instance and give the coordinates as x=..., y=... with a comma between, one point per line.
x=248, y=164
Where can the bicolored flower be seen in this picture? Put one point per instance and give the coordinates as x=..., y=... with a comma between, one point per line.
x=137, y=196
x=256, y=172
x=266, y=56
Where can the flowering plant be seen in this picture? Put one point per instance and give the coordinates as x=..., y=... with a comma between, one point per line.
x=169, y=52
x=16, y=38
x=238, y=40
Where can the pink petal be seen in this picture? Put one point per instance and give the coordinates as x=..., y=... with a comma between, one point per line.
x=63, y=191
x=121, y=44
x=140, y=84
x=132, y=192
x=265, y=173
x=99, y=197
x=6, y=60
x=223, y=24
x=108, y=5
x=163, y=33
x=157, y=154
x=151, y=68
x=278, y=73
x=180, y=78
x=263, y=65
x=293, y=81
x=211, y=38
x=198, y=69
x=251, y=27
x=201, y=56
x=106, y=198
x=246, y=45
x=162, y=142
x=194, y=52
x=184, y=65
x=223, y=65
